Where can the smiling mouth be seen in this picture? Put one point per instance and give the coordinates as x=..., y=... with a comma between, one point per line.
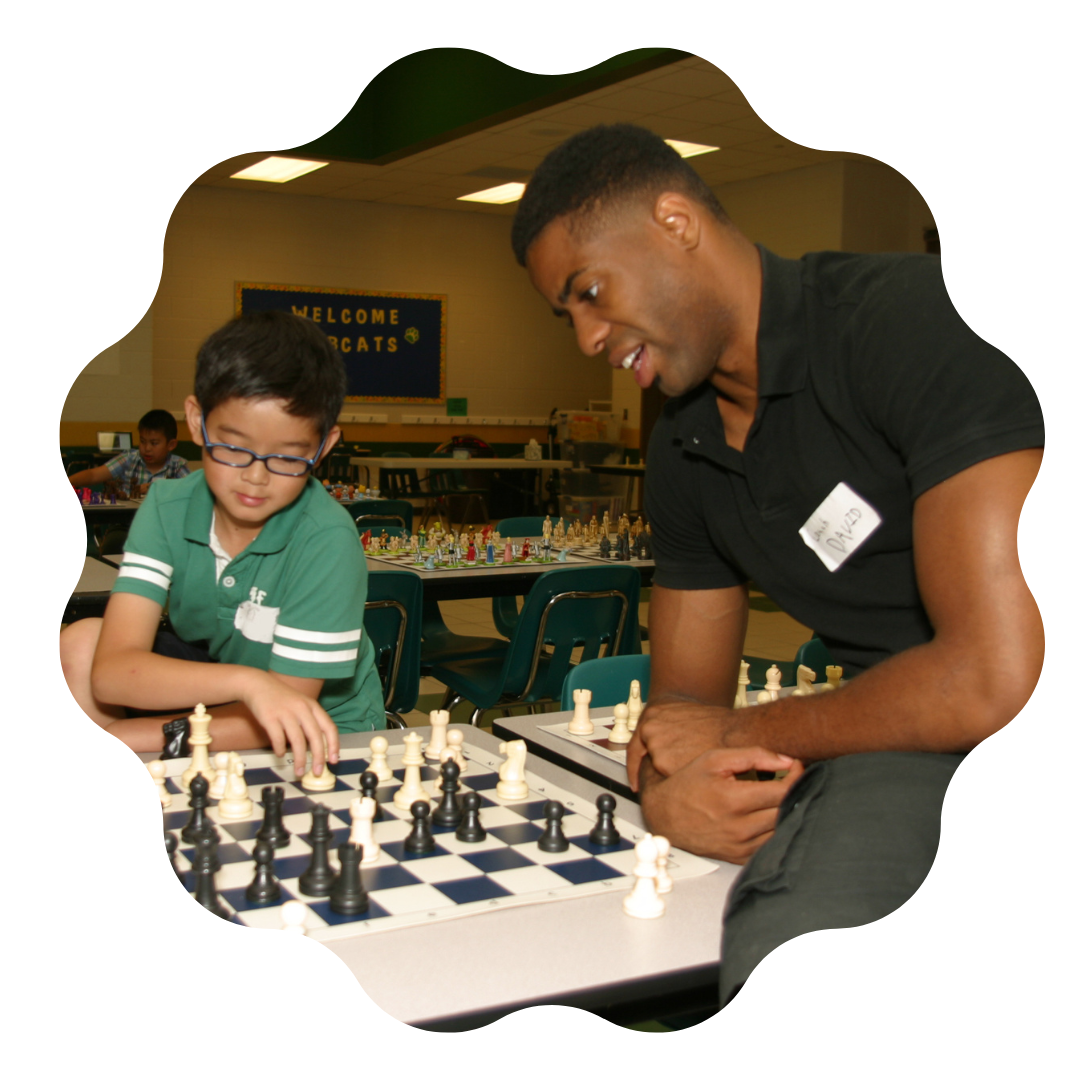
x=631, y=359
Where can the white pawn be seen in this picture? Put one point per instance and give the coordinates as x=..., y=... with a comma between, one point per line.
x=157, y=771
x=620, y=733
x=581, y=724
x=235, y=804
x=221, y=775
x=664, y=883
x=455, y=738
x=325, y=781
x=440, y=719
x=635, y=704
x=643, y=901
x=362, y=811
x=378, y=748
x=293, y=914
x=744, y=682
x=772, y=682
x=804, y=682
x=764, y=697
x=411, y=789
x=512, y=784
x=833, y=674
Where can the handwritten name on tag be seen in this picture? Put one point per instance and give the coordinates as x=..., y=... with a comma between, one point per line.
x=839, y=526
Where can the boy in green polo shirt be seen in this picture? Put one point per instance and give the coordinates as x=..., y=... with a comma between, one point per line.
x=262, y=571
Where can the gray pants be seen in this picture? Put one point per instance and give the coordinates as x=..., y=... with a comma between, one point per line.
x=856, y=836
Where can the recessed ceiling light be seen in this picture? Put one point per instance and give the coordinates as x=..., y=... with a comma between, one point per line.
x=277, y=170
x=689, y=149
x=504, y=193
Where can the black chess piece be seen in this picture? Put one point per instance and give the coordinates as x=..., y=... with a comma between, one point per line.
x=198, y=797
x=553, y=838
x=264, y=887
x=470, y=831
x=605, y=546
x=420, y=841
x=448, y=812
x=368, y=783
x=176, y=734
x=318, y=878
x=604, y=833
x=171, y=844
x=205, y=889
x=273, y=828
x=347, y=896
x=208, y=842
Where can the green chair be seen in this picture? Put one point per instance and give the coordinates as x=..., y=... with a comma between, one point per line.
x=521, y=526
x=112, y=543
x=504, y=609
x=813, y=653
x=608, y=678
x=369, y=512
x=569, y=608
x=392, y=622
x=449, y=484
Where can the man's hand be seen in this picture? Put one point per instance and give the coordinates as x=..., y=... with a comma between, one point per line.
x=673, y=733
x=290, y=716
x=703, y=809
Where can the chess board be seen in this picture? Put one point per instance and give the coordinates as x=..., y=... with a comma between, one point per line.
x=592, y=553
x=507, y=869
x=597, y=741
x=407, y=559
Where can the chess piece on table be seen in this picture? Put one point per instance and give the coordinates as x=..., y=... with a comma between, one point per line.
x=581, y=724
x=198, y=822
x=604, y=833
x=512, y=785
x=171, y=844
x=264, y=887
x=470, y=831
x=362, y=812
x=620, y=732
x=744, y=681
x=664, y=884
x=205, y=889
x=325, y=781
x=553, y=839
x=273, y=828
x=411, y=788
x=833, y=674
x=293, y=916
x=455, y=739
x=420, y=840
x=236, y=804
x=348, y=897
x=318, y=878
x=772, y=682
x=448, y=812
x=377, y=750
x=440, y=720
x=804, y=682
x=634, y=704
x=199, y=740
x=369, y=785
x=643, y=901
x=157, y=771
x=221, y=775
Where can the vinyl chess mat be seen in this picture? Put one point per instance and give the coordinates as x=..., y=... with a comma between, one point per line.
x=597, y=741
x=407, y=560
x=507, y=869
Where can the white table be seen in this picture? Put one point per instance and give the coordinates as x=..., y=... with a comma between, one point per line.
x=466, y=972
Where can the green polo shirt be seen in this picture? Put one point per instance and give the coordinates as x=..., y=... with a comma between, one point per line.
x=292, y=601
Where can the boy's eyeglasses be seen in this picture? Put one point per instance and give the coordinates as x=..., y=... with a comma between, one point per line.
x=238, y=457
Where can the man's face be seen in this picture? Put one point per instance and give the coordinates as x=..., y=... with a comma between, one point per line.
x=628, y=290
x=155, y=448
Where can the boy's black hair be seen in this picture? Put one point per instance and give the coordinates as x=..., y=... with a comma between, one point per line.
x=159, y=420
x=597, y=168
x=273, y=354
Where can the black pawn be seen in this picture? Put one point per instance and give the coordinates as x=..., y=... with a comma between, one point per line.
x=206, y=843
x=605, y=546
x=347, y=896
x=420, y=841
x=264, y=887
x=205, y=890
x=318, y=878
x=470, y=831
x=198, y=822
x=368, y=783
x=448, y=812
x=171, y=844
x=553, y=838
x=273, y=830
x=604, y=833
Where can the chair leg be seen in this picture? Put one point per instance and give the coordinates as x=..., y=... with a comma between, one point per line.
x=451, y=700
x=395, y=720
x=477, y=716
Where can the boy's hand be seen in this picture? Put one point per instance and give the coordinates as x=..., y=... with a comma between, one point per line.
x=290, y=716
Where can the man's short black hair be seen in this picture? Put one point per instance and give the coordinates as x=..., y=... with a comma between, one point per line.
x=598, y=168
x=159, y=420
x=273, y=354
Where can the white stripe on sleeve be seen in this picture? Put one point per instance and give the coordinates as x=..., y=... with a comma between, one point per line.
x=143, y=574
x=145, y=560
x=316, y=637
x=313, y=656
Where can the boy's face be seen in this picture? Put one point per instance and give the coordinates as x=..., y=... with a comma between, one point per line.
x=249, y=495
x=155, y=448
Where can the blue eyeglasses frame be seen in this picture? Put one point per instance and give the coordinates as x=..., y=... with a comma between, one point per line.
x=266, y=458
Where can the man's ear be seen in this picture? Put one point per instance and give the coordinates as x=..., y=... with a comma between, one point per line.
x=679, y=218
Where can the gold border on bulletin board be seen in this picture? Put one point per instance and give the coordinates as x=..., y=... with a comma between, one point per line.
x=393, y=343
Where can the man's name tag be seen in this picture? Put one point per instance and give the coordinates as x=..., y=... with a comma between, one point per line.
x=839, y=526
x=256, y=622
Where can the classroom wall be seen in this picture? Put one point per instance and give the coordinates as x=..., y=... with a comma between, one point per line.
x=116, y=387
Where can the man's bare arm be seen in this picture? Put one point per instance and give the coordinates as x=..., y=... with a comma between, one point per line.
x=947, y=695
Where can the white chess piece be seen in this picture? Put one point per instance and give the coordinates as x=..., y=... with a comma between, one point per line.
x=362, y=811
x=833, y=675
x=772, y=682
x=221, y=775
x=199, y=740
x=512, y=784
x=455, y=738
x=157, y=771
x=664, y=884
x=440, y=719
x=293, y=914
x=804, y=682
x=620, y=733
x=744, y=682
x=325, y=781
x=378, y=748
x=635, y=704
x=581, y=724
x=411, y=789
x=764, y=697
x=235, y=803
x=643, y=901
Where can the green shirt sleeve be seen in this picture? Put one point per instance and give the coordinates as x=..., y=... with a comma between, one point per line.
x=147, y=568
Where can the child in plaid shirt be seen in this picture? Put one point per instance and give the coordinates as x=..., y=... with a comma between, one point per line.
x=154, y=460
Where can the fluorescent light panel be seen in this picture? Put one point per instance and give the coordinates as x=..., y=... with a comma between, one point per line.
x=689, y=149
x=278, y=170
x=504, y=193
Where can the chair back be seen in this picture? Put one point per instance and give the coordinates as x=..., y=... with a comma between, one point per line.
x=112, y=543
x=608, y=678
x=815, y=655
x=400, y=483
x=392, y=617
x=591, y=608
x=381, y=511
x=521, y=526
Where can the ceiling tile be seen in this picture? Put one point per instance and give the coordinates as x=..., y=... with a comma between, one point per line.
x=693, y=82
x=706, y=112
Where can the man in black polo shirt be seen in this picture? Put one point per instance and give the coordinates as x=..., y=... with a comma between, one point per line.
x=838, y=435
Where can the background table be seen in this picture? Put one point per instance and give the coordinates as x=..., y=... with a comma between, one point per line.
x=466, y=972
x=92, y=592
